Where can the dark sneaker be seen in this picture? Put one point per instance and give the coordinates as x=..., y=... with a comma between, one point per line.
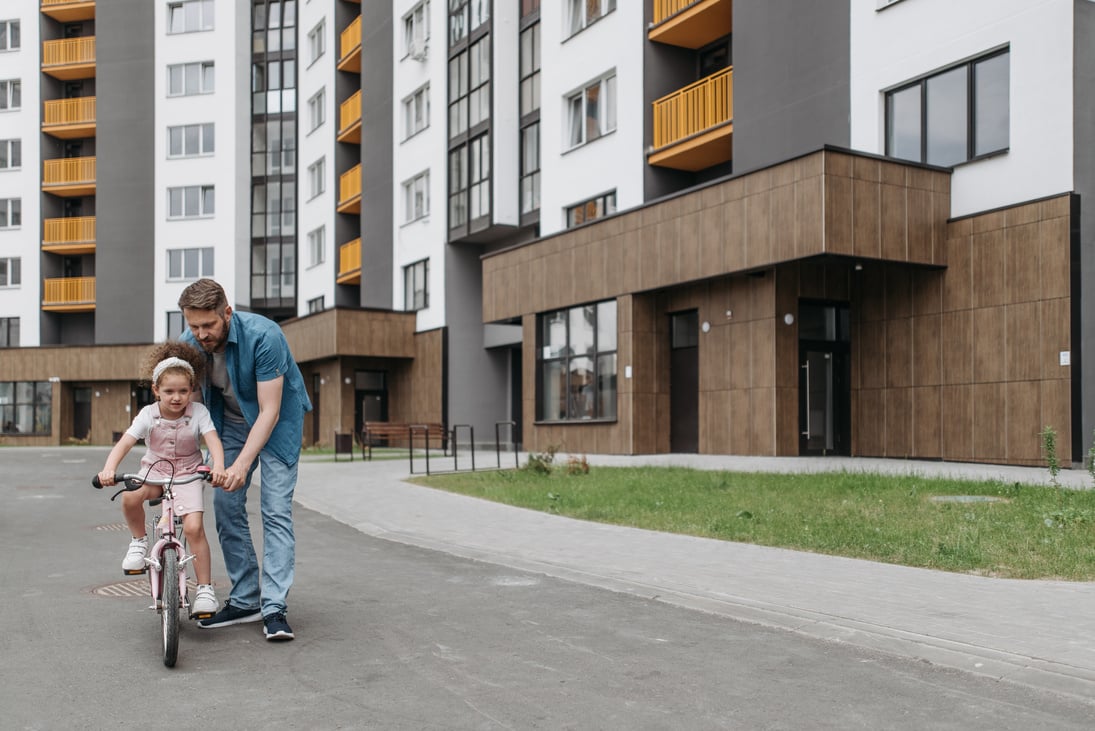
x=230, y=615
x=276, y=628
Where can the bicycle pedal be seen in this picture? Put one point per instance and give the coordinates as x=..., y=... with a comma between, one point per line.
x=135, y=572
x=202, y=615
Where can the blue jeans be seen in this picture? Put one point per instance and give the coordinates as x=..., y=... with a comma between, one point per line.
x=276, y=485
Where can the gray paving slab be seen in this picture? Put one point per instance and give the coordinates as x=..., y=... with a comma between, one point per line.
x=1039, y=633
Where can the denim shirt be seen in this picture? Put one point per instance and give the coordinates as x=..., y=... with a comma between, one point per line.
x=257, y=351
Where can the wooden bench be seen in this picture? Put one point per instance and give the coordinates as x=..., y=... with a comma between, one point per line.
x=389, y=434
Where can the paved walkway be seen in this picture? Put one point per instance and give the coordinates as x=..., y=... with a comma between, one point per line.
x=1041, y=633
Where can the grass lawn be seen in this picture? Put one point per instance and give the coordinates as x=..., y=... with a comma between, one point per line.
x=987, y=528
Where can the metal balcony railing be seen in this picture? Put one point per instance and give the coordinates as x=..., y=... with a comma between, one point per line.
x=62, y=112
x=349, y=40
x=349, y=258
x=68, y=232
x=69, y=292
x=68, y=171
x=349, y=113
x=349, y=186
x=68, y=52
x=696, y=108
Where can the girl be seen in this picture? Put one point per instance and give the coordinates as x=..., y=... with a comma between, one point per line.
x=173, y=428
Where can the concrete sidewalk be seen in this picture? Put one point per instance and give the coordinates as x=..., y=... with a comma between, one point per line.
x=1040, y=633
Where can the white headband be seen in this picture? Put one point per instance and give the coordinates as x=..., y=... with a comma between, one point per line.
x=171, y=362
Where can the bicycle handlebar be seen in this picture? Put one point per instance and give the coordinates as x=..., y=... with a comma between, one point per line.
x=134, y=481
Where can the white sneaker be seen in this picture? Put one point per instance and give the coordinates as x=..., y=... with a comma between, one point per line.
x=133, y=563
x=205, y=600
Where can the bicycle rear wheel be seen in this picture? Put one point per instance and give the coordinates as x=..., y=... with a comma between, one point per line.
x=169, y=611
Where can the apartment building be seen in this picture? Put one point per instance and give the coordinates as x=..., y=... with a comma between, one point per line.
x=716, y=226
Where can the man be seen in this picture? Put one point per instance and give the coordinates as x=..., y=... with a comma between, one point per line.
x=256, y=394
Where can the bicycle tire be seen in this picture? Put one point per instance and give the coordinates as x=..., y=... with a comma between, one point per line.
x=169, y=601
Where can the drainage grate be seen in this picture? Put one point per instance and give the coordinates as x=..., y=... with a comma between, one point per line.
x=112, y=527
x=134, y=587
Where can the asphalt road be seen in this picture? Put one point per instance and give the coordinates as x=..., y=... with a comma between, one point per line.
x=392, y=636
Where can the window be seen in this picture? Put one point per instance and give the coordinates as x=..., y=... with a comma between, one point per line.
x=9, y=332
x=317, y=41
x=528, y=7
x=273, y=147
x=469, y=88
x=11, y=212
x=274, y=26
x=591, y=209
x=175, y=325
x=591, y=112
x=530, y=69
x=273, y=271
x=416, y=289
x=956, y=115
x=190, y=140
x=316, y=304
x=274, y=209
x=530, y=168
x=26, y=407
x=317, y=109
x=187, y=79
x=186, y=265
x=317, y=177
x=192, y=201
x=189, y=16
x=466, y=16
x=416, y=31
x=416, y=112
x=416, y=197
x=273, y=86
x=9, y=35
x=10, y=273
x=581, y=14
x=11, y=94
x=11, y=154
x=576, y=363
x=317, y=246
x=469, y=181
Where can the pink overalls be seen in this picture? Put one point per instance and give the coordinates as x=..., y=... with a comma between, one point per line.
x=176, y=442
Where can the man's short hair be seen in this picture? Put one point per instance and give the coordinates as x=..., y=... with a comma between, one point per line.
x=204, y=294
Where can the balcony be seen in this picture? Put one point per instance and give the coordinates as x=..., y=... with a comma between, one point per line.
x=694, y=126
x=69, y=294
x=69, y=119
x=349, y=190
x=70, y=236
x=349, y=44
x=69, y=177
x=349, y=119
x=349, y=262
x=69, y=11
x=69, y=58
x=690, y=23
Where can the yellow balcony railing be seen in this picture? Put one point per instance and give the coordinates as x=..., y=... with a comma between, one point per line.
x=349, y=119
x=69, y=118
x=69, y=58
x=698, y=107
x=75, y=235
x=349, y=262
x=349, y=47
x=691, y=23
x=349, y=190
x=69, y=176
x=69, y=294
x=68, y=11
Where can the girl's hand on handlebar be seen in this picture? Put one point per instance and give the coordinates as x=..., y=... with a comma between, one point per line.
x=219, y=476
x=106, y=478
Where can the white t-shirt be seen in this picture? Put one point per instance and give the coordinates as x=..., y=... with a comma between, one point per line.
x=200, y=421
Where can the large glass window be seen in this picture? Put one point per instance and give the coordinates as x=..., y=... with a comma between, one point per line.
x=956, y=115
x=576, y=363
x=465, y=16
x=530, y=69
x=189, y=16
x=582, y=13
x=530, y=168
x=591, y=111
x=273, y=147
x=26, y=407
x=187, y=265
x=416, y=290
x=273, y=271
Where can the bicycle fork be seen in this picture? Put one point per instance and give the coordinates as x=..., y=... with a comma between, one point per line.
x=155, y=571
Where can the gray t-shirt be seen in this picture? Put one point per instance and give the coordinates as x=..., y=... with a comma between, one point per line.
x=219, y=378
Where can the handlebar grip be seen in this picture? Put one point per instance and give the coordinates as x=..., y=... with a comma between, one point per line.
x=98, y=485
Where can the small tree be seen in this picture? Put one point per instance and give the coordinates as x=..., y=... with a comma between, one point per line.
x=1049, y=448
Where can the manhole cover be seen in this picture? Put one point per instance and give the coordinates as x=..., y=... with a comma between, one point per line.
x=967, y=499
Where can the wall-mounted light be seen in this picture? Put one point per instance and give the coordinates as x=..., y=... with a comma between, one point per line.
x=858, y=266
x=347, y=381
x=706, y=326
x=789, y=318
x=729, y=314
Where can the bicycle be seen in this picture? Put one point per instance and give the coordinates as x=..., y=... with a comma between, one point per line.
x=169, y=557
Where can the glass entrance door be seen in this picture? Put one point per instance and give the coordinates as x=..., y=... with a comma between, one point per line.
x=824, y=380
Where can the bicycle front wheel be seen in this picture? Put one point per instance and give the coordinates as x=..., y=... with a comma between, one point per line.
x=169, y=612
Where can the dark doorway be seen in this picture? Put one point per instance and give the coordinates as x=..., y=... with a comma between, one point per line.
x=81, y=412
x=825, y=377
x=316, y=380
x=370, y=398
x=684, y=382
x=516, y=394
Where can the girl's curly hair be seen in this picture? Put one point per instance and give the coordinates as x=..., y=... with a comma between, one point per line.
x=177, y=349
